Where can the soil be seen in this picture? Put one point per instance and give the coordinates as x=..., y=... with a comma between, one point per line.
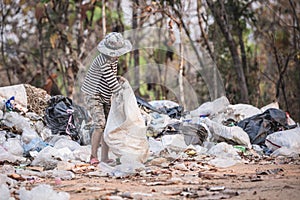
x=266, y=178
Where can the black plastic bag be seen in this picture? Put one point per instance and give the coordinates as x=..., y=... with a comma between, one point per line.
x=65, y=118
x=259, y=126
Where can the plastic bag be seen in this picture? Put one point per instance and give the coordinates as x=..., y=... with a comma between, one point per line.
x=36, y=144
x=260, y=126
x=125, y=131
x=4, y=191
x=193, y=133
x=232, y=135
x=210, y=108
x=65, y=118
x=42, y=191
x=289, y=139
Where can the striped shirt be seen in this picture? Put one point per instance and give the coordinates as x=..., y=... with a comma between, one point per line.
x=101, y=79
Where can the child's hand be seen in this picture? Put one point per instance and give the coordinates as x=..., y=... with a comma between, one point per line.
x=121, y=79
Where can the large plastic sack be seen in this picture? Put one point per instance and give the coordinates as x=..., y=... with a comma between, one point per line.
x=289, y=139
x=232, y=135
x=125, y=131
x=236, y=112
x=260, y=126
x=271, y=105
x=242, y=111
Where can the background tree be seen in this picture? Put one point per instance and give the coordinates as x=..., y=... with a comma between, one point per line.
x=254, y=43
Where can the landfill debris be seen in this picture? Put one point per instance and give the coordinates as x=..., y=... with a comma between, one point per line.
x=193, y=133
x=288, y=138
x=4, y=191
x=271, y=105
x=270, y=171
x=174, y=143
x=39, y=192
x=64, y=117
x=232, y=135
x=210, y=108
x=18, y=92
x=284, y=142
x=37, y=99
x=260, y=126
x=168, y=146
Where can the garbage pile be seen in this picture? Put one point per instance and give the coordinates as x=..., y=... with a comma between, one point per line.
x=268, y=129
x=49, y=137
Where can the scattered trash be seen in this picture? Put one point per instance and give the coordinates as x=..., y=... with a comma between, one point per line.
x=217, y=188
x=222, y=162
x=232, y=135
x=39, y=192
x=224, y=150
x=288, y=138
x=211, y=108
x=260, y=126
x=18, y=92
x=174, y=143
x=157, y=143
x=180, y=166
x=155, y=146
x=243, y=111
x=270, y=171
x=36, y=144
x=271, y=105
x=4, y=191
x=193, y=133
x=14, y=146
x=63, y=117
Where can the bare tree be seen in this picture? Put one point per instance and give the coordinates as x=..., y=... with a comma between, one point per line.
x=220, y=15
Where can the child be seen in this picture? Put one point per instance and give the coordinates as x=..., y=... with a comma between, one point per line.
x=99, y=84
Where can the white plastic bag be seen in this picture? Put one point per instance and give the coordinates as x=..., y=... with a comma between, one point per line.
x=289, y=139
x=125, y=131
x=211, y=107
x=232, y=134
x=42, y=191
x=4, y=191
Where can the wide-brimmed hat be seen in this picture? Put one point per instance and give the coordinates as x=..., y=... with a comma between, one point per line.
x=114, y=45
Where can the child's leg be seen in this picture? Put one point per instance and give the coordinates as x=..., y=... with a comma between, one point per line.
x=97, y=113
x=104, y=147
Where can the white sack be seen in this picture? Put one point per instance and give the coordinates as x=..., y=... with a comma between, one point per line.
x=125, y=131
x=233, y=134
x=243, y=111
x=211, y=107
x=289, y=139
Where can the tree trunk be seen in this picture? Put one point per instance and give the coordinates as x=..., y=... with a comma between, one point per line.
x=181, y=69
x=199, y=2
x=136, y=55
x=220, y=16
x=103, y=18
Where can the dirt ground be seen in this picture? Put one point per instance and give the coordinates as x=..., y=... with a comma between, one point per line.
x=267, y=178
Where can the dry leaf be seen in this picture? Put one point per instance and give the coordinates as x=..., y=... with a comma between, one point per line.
x=53, y=39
